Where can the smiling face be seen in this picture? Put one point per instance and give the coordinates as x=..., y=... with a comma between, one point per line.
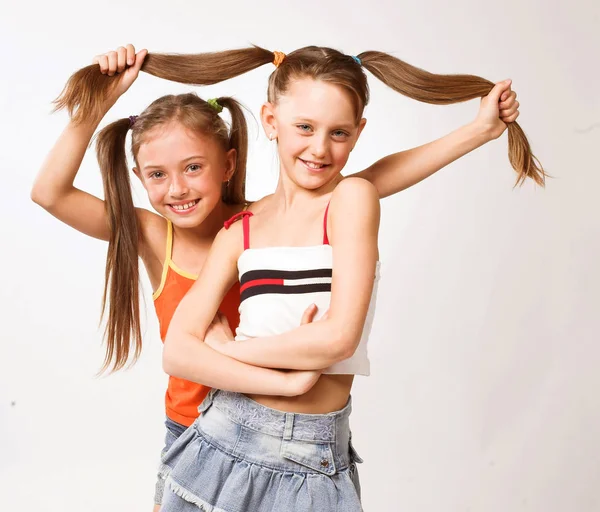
x=183, y=172
x=316, y=128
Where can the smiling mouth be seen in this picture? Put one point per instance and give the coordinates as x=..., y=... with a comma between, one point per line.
x=184, y=207
x=315, y=166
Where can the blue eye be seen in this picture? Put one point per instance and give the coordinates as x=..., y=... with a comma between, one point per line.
x=304, y=127
x=339, y=133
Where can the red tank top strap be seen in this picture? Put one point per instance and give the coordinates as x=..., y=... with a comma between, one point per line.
x=245, y=216
x=325, y=237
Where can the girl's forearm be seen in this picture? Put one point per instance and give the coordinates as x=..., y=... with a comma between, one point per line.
x=189, y=358
x=309, y=347
x=58, y=172
x=400, y=171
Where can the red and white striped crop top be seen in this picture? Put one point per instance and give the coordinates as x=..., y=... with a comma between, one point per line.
x=277, y=284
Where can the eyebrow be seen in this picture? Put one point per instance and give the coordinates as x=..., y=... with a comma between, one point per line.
x=349, y=126
x=194, y=157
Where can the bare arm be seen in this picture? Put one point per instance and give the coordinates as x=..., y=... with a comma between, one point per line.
x=54, y=191
x=54, y=188
x=400, y=171
x=320, y=344
x=187, y=356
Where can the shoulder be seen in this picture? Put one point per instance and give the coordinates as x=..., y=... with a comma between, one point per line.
x=354, y=187
x=354, y=209
x=153, y=231
x=150, y=220
x=230, y=239
x=355, y=194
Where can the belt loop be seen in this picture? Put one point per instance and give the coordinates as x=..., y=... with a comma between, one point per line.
x=207, y=402
x=289, y=426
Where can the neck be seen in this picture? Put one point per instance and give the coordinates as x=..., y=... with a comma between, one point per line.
x=291, y=195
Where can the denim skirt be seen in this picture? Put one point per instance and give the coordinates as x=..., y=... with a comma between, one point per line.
x=173, y=431
x=240, y=456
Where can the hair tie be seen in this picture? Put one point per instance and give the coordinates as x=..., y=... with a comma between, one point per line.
x=278, y=58
x=215, y=105
x=132, y=120
x=357, y=60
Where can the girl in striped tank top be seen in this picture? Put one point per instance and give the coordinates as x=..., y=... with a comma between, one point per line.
x=263, y=445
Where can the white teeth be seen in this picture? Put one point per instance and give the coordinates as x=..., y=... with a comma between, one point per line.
x=312, y=165
x=184, y=206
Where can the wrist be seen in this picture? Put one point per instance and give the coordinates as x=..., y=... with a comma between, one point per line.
x=479, y=132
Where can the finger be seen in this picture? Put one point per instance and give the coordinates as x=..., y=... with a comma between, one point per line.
x=130, y=54
x=309, y=314
x=505, y=94
x=509, y=101
x=511, y=119
x=121, y=59
x=498, y=89
x=507, y=112
x=139, y=59
x=112, y=63
x=103, y=63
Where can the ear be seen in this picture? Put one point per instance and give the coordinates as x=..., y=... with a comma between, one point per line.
x=268, y=120
x=230, y=164
x=361, y=127
x=137, y=172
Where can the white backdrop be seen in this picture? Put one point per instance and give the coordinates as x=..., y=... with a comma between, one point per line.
x=484, y=392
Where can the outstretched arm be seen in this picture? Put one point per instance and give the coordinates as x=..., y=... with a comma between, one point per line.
x=400, y=171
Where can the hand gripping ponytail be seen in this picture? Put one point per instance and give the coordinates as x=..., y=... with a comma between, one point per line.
x=427, y=87
x=87, y=89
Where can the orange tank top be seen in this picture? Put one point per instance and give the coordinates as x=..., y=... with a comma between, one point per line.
x=183, y=397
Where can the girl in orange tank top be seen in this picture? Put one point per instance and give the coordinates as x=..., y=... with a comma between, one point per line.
x=192, y=166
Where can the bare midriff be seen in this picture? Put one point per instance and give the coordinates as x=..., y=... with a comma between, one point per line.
x=329, y=394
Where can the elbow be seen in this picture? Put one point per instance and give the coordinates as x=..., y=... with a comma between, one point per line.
x=43, y=197
x=342, y=347
x=171, y=362
x=39, y=198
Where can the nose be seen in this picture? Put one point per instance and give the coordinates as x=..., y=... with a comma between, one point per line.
x=319, y=146
x=178, y=186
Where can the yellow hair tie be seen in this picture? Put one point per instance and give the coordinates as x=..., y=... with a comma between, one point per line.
x=278, y=58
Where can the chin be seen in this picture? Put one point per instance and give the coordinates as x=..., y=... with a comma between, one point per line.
x=190, y=222
x=184, y=221
x=315, y=182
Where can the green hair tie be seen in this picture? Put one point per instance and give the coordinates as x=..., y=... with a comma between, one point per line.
x=215, y=104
